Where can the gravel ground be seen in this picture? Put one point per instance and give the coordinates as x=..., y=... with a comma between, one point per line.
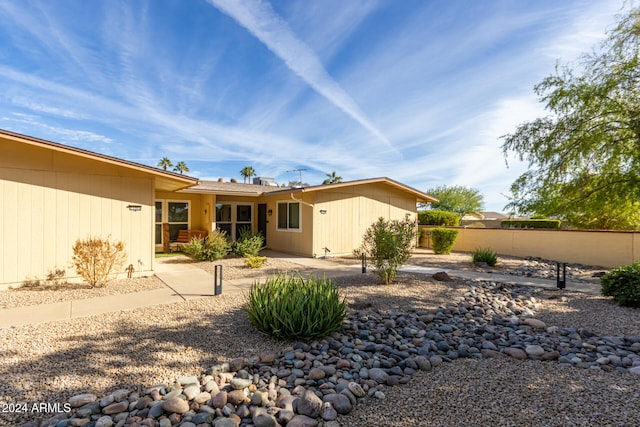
x=44, y=293
x=134, y=349
x=47, y=294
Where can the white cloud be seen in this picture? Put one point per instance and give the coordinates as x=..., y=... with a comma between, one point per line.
x=260, y=20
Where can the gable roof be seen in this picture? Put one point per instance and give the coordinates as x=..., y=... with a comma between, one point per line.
x=164, y=180
x=419, y=195
x=253, y=190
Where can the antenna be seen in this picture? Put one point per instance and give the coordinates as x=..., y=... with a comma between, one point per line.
x=299, y=171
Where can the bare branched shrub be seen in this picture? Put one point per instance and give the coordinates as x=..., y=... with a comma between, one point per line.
x=97, y=260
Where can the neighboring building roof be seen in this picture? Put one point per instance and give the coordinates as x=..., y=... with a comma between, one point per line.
x=485, y=216
x=494, y=215
x=165, y=180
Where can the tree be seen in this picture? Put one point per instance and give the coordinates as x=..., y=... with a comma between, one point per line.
x=584, y=158
x=332, y=178
x=247, y=172
x=181, y=167
x=457, y=199
x=165, y=163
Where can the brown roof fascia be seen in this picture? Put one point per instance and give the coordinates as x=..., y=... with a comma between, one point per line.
x=187, y=180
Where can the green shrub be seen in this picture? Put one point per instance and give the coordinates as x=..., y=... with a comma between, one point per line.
x=388, y=244
x=443, y=240
x=530, y=223
x=486, y=255
x=290, y=307
x=437, y=217
x=98, y=260
x=215, y=246
x=254, y=261
x=248, y=243
x=623, y=284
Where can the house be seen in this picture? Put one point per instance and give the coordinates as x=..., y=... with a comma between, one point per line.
x=52, y=194
x=488, y=219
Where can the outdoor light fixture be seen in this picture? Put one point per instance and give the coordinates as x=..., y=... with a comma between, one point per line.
x=323, y=211
x=270, y=212
x=134, y=208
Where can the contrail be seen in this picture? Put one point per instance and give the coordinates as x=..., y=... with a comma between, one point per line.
x=259, y=18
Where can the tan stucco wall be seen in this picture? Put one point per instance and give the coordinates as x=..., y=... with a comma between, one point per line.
x=198, y=219
x=45, y=207
x=600, y=248
x=351, y=210
x=289, y=241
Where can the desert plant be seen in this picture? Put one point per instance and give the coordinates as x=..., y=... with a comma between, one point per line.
x=248, y=243
x=623, y=284
x=437, y=217
x=443, y=240
x=389, y=244
x=215, y=246
x=254, y=261
x=290, y=307
x=54, y=279
x=486, y=256
x=97, y=260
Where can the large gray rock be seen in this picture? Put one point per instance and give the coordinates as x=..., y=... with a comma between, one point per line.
x=302, y=421
x=378, y=375
x=309, y=404
x=265, y=420
x=340, y=403
x=328, y=412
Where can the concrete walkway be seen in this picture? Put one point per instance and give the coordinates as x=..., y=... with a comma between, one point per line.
x=184, y=282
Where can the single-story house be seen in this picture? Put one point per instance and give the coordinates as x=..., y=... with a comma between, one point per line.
x=52, y=194
x=488, y=219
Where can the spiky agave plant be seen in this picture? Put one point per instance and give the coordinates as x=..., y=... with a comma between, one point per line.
x=290, y=307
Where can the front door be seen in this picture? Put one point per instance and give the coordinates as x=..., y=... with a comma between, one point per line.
x=262, y=221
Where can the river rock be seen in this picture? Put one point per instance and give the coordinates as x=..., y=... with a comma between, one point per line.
x=378, y=375
x=535, y=323
x=219, y=399
x=175, y=405
x=115, y=408
x=302, y=421
x=328, y=412
x=340, y=403
x=309, y=404
x=516, y=353
x=82, y=399
x=105, y=421
x=534, y=350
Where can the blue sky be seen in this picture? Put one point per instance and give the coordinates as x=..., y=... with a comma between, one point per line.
x=418, y=91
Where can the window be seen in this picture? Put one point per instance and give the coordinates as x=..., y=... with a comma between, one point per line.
x=176, y=213
x=231, y=217
x=177, y=217
x=288, y=216
x=223, y=218
x=243, y=218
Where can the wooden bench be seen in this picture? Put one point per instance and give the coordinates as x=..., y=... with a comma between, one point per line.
x=185, y=236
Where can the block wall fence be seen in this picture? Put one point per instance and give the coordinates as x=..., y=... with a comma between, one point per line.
x=589, y=247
